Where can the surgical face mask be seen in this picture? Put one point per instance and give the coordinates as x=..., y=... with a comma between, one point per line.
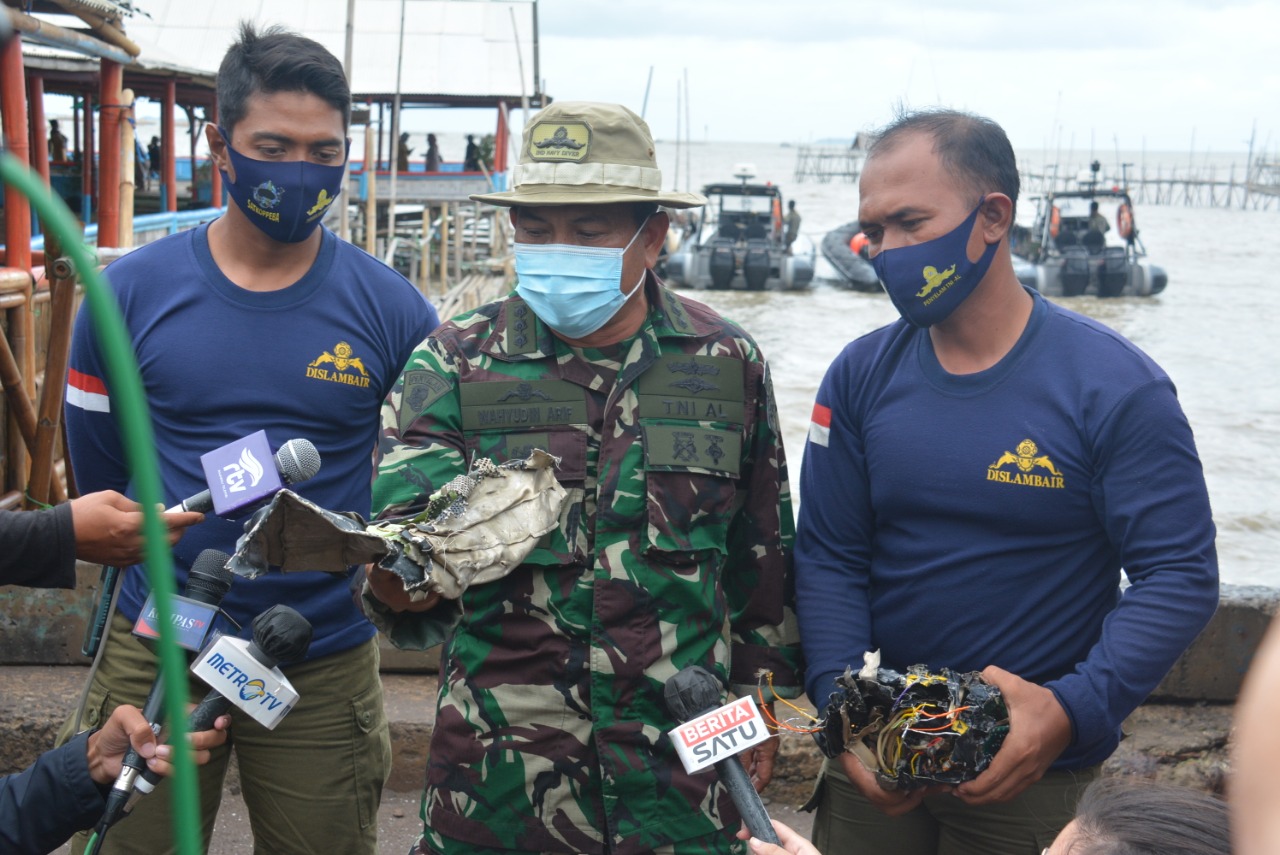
x=575, y=290
x=286, y=199
x=929, y=281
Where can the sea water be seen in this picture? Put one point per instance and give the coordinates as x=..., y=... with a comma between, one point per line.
x=1213, y=330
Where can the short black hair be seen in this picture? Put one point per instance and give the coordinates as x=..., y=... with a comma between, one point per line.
x=277, y=60
x=1136, y=817
x=973, y=149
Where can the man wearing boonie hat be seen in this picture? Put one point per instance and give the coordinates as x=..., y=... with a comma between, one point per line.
x=673, y=547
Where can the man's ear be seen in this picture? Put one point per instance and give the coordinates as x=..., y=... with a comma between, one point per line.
x=654, y=235
x=218, y=150
x=996, y=217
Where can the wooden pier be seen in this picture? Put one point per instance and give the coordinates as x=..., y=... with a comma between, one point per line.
x=1254, y=187
x=825, y=164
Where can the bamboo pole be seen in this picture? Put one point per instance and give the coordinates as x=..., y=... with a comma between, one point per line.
x=109, y=158
x=370, y=194
x=127, y=169
x=444, y=246
x=62, y=298
x=424, y=269
x=461, y=242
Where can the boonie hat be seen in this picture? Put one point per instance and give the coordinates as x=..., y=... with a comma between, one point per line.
x=587, y=153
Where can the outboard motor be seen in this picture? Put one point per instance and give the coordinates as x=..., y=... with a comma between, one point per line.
x=721, y=264
x=1075, y=271
x=755, y=267
x=1113, y=272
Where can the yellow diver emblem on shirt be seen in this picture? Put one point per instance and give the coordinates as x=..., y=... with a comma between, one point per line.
x=1026, y=459
x=323, y=201
x=344, y=362
x=934, y=279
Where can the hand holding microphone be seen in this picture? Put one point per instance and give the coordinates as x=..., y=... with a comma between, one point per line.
x=242, y=484
x=108, y=528
x=207, y=583
x=280, y=636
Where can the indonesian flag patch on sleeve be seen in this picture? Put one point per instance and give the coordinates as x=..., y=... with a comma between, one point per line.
x=87, y=392
x=820, y=426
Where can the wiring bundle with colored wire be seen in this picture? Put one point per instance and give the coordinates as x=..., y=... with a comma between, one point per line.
x=914, y=729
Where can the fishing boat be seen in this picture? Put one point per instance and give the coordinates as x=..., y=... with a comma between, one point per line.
x=1063, y=255
x=738, y=242
x=840, y=247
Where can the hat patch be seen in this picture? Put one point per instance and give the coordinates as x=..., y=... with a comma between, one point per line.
x=559, y=141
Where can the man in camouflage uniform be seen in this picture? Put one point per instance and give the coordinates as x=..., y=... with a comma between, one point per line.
x=673, y=547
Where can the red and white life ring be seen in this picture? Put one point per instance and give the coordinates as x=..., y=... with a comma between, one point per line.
x=1124, y=220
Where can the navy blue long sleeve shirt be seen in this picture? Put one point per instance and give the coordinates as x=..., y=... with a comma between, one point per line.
x=984, y=519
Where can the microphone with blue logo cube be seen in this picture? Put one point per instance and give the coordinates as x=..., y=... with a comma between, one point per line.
x=244, y=674
x=243, y=474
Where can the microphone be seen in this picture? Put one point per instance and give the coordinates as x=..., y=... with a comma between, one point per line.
x=207, y=583
x=242, y=484
x=238, y=481
x=280, y=635
x=714, y=734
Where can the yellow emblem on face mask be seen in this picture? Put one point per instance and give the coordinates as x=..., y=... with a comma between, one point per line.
x=559, y=141
x=323, y=201
x=934, y=279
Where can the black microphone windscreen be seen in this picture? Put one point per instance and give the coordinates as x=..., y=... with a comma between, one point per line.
x=297, y=461
x=209, y=579
x=691, y=691
x=282, y=634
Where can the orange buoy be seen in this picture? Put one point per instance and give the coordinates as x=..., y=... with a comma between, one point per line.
x=777, y=214
x=1055, y=221
x=1124, y=220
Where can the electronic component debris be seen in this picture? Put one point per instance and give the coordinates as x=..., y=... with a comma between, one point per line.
x=915, y=729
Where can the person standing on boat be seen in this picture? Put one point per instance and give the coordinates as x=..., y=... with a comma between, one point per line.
x=976, y=477
x=57, y=143
x=792, y=224
x=673, y=547
x=403, y=150
x=153, y=157
x=471, y=157
x=236, y=325
x=433, y=154
x=1097, y=222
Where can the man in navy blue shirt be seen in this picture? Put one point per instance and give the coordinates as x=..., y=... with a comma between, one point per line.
x=977, y=476
x=262, y=320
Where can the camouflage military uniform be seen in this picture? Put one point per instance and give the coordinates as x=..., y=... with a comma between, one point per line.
x=673, y=549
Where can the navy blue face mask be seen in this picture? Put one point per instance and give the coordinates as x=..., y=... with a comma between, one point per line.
x=929, y=281
x=287, y=200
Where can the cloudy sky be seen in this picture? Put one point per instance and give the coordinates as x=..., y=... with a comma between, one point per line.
x=1167, y=76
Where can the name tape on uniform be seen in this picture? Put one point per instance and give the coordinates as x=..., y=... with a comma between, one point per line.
x=723, y=732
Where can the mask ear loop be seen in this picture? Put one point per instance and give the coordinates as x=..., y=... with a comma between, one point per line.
x=644, y=271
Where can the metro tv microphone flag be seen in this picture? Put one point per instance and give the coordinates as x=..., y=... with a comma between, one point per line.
x=280, y=636
x=240, y=474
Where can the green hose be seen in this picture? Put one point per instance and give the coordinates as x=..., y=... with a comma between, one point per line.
x=130, y=405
